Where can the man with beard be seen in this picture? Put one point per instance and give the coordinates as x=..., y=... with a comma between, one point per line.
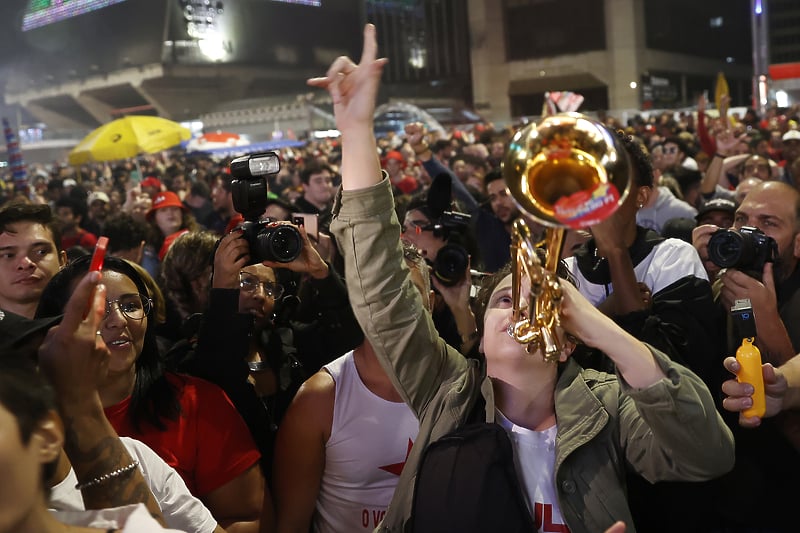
x=500, y=199
x=766, y=458
x=773, y=208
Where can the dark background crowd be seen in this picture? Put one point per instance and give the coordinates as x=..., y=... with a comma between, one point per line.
x=241, y=337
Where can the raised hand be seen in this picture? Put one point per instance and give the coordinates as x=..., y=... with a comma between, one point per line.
x=73, y=356
x=700, y=237
x=231, y=256
x=309, y=261
x=415, y=135
x=353, y=87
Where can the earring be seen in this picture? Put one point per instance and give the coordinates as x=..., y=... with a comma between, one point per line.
x=641, y=206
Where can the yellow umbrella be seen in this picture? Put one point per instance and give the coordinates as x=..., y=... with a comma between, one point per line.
x=128, y=137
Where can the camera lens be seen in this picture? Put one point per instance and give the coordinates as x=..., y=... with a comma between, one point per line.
x=279, y=243
x=451, y=263
x=731, y=248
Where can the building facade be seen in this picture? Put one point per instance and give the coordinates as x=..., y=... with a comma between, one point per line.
x=621, y=55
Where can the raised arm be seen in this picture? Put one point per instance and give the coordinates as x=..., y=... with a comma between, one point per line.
x=386, y=303
x=353, y=89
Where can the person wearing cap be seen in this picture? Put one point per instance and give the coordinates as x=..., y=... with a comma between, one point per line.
x=170, y=219
x=395, y=164
x=151, y=186
x=790, y=154
x=98, y=204
x=718, y=211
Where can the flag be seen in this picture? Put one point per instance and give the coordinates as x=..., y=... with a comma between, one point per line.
x=561, y=102
x=15, y=161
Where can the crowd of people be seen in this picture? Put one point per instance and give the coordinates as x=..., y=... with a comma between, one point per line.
x=190, y=386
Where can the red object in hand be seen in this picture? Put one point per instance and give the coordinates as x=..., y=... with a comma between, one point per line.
x=99, y=255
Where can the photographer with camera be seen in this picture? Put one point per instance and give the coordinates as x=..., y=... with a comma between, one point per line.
x=767, y=277
x=264, y=354
x=766, y=459
x=443, y=237
x=491, y=228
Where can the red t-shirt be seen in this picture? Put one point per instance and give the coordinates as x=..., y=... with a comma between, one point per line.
x=209, y=445
x=83, y=238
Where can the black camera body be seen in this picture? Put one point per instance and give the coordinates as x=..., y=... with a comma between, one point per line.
x=281, y=243
x=269, y=241
x=452, y=259
x=747, y=249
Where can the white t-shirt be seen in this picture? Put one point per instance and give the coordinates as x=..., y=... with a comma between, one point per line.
x=128, y=519
x=181, y=509
x=535, y=459
x=667, y=262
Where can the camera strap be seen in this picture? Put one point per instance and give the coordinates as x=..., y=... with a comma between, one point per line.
x=595, y=268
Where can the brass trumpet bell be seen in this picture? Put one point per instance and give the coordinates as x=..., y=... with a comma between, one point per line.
x=568, y=171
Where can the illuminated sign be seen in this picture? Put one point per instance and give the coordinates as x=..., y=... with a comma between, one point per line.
x=43, y=12
x=315, y=3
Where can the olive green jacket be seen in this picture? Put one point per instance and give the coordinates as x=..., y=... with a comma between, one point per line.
x=668, y=431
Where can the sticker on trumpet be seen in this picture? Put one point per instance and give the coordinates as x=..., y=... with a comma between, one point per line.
x=585, y=208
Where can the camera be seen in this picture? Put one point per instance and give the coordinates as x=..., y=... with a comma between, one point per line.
x=452, y=259
x=267, y=241
x=747, y=249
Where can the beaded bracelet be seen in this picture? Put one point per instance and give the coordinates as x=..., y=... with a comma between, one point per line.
x=105, y=477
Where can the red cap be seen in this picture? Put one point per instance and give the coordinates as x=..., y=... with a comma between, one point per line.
x=164, y=199
x=151, y=181
x=394, y=154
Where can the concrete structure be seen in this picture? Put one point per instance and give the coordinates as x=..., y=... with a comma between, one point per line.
x=625, y=69
x=623, y=55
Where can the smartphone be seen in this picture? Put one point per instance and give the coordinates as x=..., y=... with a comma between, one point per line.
x=310, y=221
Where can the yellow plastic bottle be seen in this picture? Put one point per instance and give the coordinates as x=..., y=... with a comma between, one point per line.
x=749, y=358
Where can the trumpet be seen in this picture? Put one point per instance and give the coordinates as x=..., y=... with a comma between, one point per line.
x=567, y=172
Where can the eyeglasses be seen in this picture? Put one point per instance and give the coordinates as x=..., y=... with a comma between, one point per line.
x=670, y=149
x=133, y=306
x=250, y=284
x=417, y=226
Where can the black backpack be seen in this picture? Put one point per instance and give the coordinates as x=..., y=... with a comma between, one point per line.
x=467, y=482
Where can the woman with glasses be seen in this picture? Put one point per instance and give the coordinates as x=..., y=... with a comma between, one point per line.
x=189, y=422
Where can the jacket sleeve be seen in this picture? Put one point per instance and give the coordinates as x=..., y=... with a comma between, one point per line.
x=385, y=301
x=671, y=430
x=685, y=323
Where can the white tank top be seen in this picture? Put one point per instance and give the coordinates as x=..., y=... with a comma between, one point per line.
x=369, y=443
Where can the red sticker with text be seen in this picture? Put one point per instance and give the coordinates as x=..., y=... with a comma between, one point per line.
x=585, y=208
